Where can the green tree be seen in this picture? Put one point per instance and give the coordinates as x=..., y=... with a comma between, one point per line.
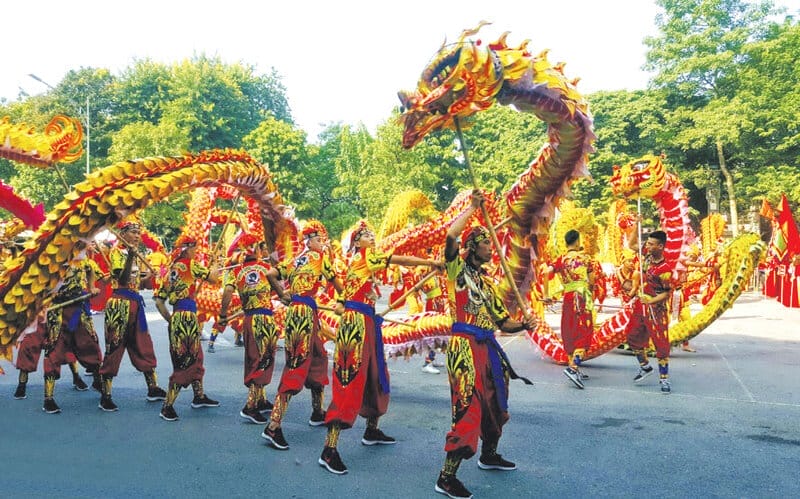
x=697, y=58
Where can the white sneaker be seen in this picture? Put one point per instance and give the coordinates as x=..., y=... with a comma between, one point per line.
x=428, y=368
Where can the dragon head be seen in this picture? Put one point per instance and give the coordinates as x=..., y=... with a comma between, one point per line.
x=461, y=79
x=645, y=176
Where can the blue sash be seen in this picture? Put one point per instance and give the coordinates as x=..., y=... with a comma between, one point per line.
x=305, y=300
x=369, y=311
x=83, y=308
x=185, y=305
x=134, y=296
x=496, y=357
x=257, y=311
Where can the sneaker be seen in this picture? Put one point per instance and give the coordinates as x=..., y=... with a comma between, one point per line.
x=168, y=413
x=428, y=368
x=452, y=487
x=203, y=401
x=375, y=437
x=275, y=438
x=19, y=393
x=264, y=406
x=156, y=393
x=239, y=342
x=88, y=372
x=317, y=418
x=643, y=373
x=495, y=462
x=50, y=407
x=573, y=376
x=253, y=415
x=583, y=375
x=107, y=404
x=331, y=461
x=665, y=388
x=211, y=348
x=97, y=386
x=79, y=384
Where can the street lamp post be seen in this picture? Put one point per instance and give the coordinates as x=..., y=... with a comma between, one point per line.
x=78, y=106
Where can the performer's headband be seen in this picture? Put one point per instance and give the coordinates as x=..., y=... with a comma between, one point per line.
x=476, y=236
x=130, y=226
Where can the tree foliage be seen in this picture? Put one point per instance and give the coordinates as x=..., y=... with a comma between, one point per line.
x=723, y=100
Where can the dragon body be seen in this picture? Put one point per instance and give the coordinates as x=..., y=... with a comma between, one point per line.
x=107, y=196
x=467, y=77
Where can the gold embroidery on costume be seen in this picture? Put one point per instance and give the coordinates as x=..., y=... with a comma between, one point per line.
x=349, y=346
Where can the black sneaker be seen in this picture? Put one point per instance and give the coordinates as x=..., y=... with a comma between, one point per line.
x=168, y=413
x=495, y=462
x=253, y=415
x=375, y=437
x=19, y=393
x=203, y=401
x=97, y=386
x=264, y=406
x=574, y=376
x=107, y=404
x=317, y=418
x=50, y=407
x=79, y=384
x=275, y=438
x=452, y=487
x=331, y=461
x=665, y=388
x=88, y=372
x=156, y=393
x=643, y=373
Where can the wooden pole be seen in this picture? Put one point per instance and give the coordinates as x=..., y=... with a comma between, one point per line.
x=406, y=324
x=134, y=251
x=69, y=302
x=411, y=291
x=492, y=232
x=213, y=255
x=61, y=176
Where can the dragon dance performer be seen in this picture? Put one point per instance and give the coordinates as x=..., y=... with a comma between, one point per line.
x=179, y=288
x=477, y=367
x=70, y=329
x=125, y=321
x=627, y=277
x=360, y=377
x=255, y=281
x=650, y=318
x=576, y=271
x=306, y=358
x=28, y=352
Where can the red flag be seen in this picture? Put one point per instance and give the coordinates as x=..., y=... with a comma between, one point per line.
x=766, y=210
x=786, y=226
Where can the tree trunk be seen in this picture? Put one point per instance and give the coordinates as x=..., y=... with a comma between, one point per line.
x=728, y=187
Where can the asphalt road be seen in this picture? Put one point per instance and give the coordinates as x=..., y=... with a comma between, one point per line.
x=729, y=429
